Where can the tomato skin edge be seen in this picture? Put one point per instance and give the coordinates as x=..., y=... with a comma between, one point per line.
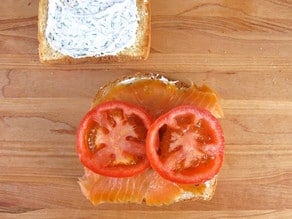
x=87, y=158
x=152, y=145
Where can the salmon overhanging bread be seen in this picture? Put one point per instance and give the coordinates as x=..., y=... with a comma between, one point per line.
x=78, y=31
x=156, y=94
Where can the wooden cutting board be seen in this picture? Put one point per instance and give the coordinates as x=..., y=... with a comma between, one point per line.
x=242, y=49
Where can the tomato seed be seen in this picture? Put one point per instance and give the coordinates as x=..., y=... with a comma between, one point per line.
x=91, y=139
x=199, y=124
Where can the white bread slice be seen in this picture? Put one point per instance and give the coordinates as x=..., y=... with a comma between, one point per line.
x=90, y=180
x=138, y=51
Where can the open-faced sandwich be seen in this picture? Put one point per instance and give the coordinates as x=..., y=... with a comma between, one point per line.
x=148, y=138
x=76, y=31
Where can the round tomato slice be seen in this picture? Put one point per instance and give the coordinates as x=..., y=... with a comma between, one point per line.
x=185, y=145
x=111, y=139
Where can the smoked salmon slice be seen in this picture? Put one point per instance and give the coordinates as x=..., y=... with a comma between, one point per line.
x=147, y=186
x=157, y=95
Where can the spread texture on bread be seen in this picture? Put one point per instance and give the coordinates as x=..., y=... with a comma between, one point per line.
x=77, y=31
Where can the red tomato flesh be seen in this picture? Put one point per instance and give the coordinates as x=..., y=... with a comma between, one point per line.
x=185, y=145
x=111, y=139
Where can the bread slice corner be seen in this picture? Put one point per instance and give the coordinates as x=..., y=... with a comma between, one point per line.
x=139, y=51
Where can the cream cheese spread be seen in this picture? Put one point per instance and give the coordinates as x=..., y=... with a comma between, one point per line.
x=85, y=28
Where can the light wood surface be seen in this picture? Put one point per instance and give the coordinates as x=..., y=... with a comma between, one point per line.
x=242, y=49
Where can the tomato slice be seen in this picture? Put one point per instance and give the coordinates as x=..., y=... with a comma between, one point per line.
x=111, y=139
x=185, y=145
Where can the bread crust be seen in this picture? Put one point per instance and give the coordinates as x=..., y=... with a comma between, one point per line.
x=139, y=51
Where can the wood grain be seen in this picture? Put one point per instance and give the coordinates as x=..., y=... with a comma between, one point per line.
x=126, y=214
x=242, y=49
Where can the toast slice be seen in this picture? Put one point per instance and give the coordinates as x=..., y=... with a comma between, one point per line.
x=137, y=50
x=145, y=89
